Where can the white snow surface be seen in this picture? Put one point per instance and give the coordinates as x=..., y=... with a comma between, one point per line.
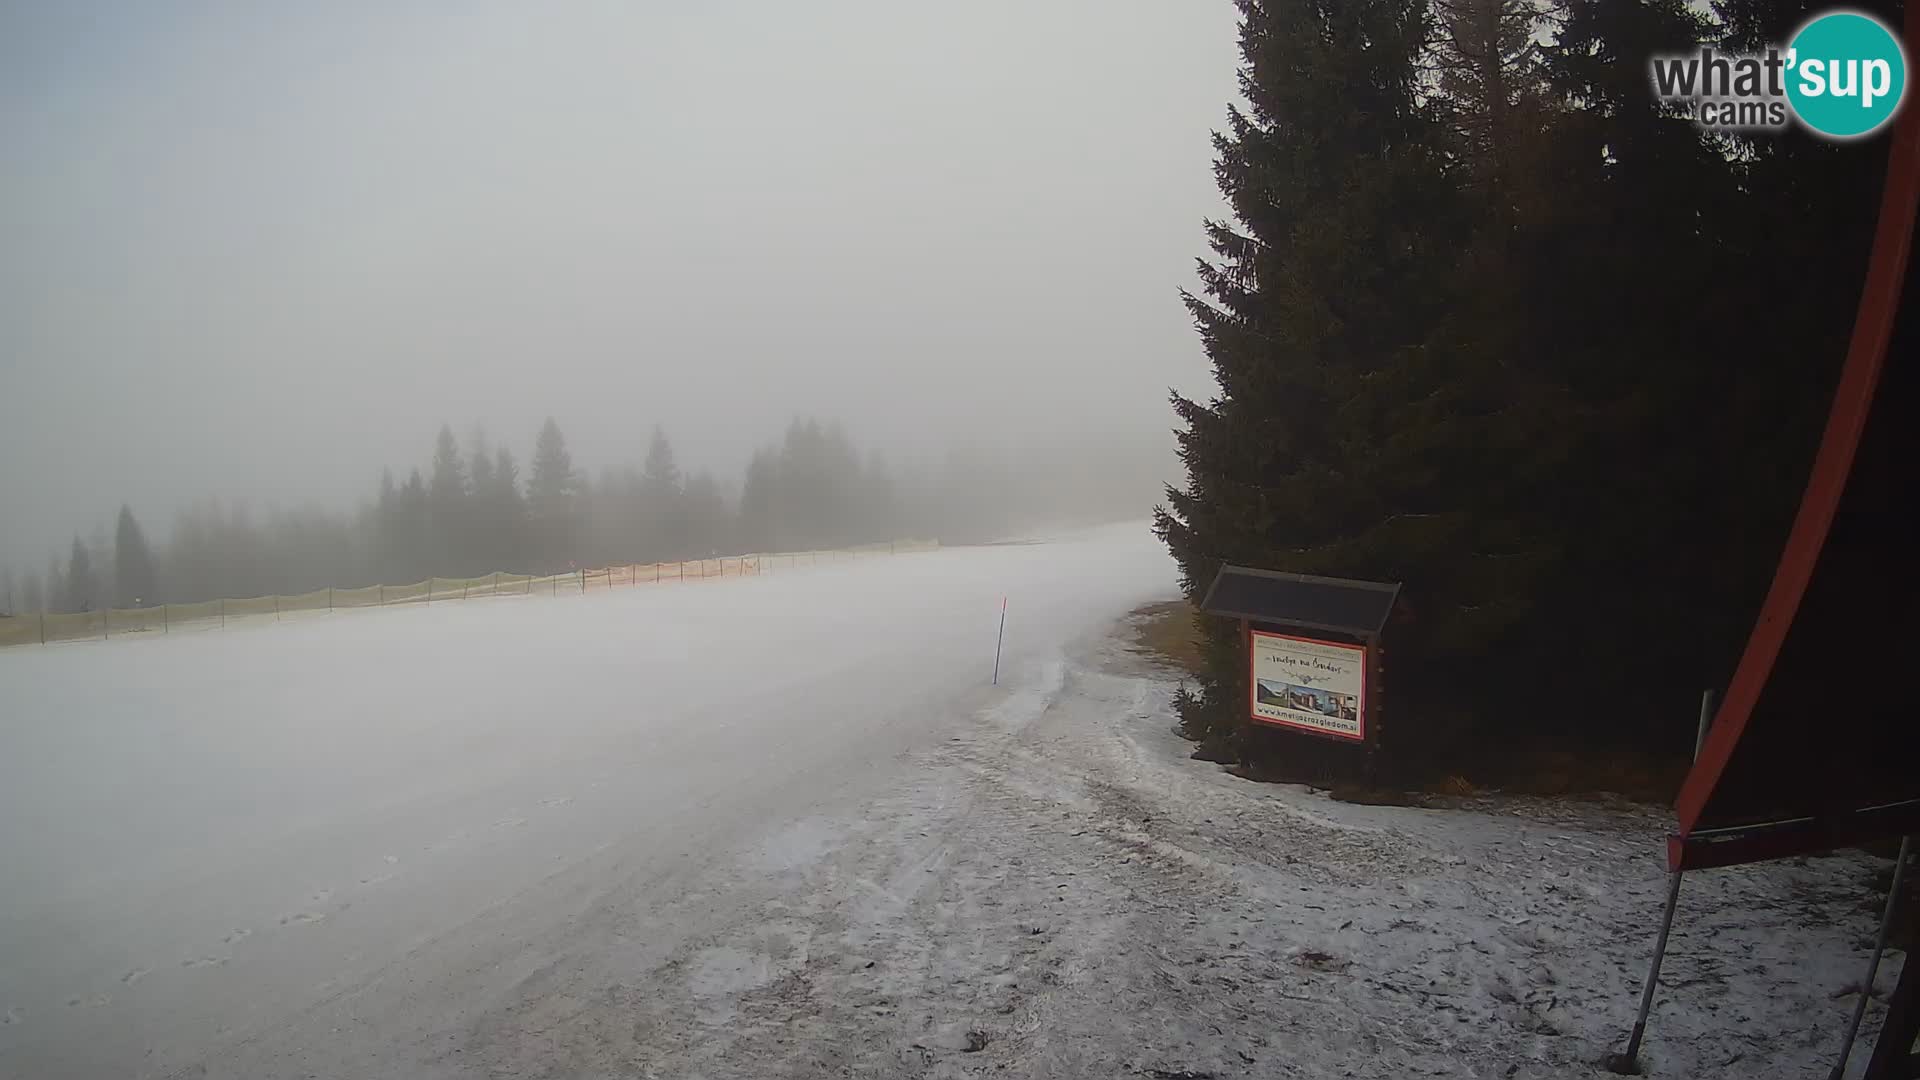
x=786, y=826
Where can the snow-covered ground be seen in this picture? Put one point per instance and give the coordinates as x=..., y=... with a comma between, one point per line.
x=786, y=827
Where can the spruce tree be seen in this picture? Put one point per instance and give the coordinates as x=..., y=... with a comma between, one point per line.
x=506, y=474
x=81, y=586
x=481, y=467
x=447, y=498
x=661, y=505
x=553, y=497
x=507, y=511
x=133, y=576
x=1319, y=312
x=1686, y=407
x=481, y=540
x=1486, y=57
x=660, y=474
x=448, y=483
x=416, y=528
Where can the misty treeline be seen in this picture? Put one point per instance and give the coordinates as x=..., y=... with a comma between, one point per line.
x=1489, y=320
x=475, y=507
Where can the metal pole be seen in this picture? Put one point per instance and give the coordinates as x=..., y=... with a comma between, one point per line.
x=1002, y=636
x=1873, y=964
x=1627, y=1062
x=1893, y=1049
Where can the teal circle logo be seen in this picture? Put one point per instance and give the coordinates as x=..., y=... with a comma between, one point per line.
x=1846, y=74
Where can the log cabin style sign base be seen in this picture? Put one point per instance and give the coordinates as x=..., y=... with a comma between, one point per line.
x=1314, y=654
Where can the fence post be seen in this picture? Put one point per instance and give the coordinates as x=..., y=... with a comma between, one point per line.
x=223, y=613
x=383, y=597
x=43, y=626
x=429, y=589
x=106, y=622
x=329, y=598
x=166, y=627
x=496, y=583
x=463, y=590
x=276, y=607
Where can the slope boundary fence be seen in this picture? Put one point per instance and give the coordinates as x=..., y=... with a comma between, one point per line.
x=48, y=628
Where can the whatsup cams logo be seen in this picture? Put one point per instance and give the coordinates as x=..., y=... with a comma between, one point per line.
x=1843, y=75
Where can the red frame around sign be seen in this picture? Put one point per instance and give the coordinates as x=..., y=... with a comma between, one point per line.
x=1253, y=687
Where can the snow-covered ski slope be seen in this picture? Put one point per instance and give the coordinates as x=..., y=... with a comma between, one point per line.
x=206, y=834
x=786, y=827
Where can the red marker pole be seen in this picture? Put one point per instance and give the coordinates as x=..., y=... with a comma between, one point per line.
x=998, y=639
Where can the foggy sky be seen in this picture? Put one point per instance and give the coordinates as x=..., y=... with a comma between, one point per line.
x=260, y=250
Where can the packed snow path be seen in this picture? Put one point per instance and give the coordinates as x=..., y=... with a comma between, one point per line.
x=785, y=827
